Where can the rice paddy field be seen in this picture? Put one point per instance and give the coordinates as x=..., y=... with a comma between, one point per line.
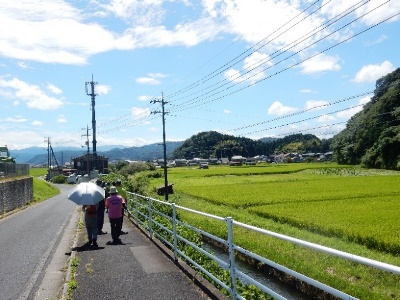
x=347, y=208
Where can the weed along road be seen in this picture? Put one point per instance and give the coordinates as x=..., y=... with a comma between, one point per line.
x=33, y=249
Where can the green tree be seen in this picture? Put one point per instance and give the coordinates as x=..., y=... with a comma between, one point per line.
x=371, y=136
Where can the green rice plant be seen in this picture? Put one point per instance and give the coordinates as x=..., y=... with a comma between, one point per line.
x=261, y=190
x=372, y=222
x=355, y=279
x=350, y=209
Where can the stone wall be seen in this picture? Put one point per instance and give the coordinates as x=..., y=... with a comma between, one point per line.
x=15, y=193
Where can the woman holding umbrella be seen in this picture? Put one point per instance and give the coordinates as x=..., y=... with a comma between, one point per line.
x=88, y=194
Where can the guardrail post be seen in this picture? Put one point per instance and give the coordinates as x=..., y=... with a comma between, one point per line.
x=174, y=231
x=150, y=219
x=137, y=209
x=231, y=257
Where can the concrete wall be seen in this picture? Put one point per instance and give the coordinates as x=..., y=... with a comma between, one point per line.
x=15, y=193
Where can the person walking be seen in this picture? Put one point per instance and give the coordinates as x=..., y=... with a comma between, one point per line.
x=91, y=223
x=122, y=193
x=115, y=205
x=100, y=211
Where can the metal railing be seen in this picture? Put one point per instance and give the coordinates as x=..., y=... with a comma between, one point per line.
x=9, y=169
x=159, y=218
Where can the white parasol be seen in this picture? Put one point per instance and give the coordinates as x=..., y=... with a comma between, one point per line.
x=86, y=193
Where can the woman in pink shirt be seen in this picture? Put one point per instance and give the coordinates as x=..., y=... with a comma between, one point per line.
x=114, y=204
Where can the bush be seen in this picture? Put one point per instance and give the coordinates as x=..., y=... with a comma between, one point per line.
x=59, y=179
x=139, y=183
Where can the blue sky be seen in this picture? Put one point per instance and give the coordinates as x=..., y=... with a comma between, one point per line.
x=252, y=68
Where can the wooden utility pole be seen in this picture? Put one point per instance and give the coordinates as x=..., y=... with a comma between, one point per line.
x=163, y=113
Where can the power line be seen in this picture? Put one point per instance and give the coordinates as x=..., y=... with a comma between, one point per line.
x=193, y=101
x=305, y=110
x=236, y=59
x=279, y=52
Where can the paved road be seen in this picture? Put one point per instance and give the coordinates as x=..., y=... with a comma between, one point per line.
x=29, y=240
x=36, y=245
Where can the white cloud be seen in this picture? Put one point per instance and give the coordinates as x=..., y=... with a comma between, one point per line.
x=326, y=118
x=255, y=64
x=14, y=141
x=250, y=21
x=61, y=119
x=145, y=13
x=139, y=113
x=37, y=123
x=253, y=69
x=279, y=109
x=320, y=63
x=148, y=80
x=371, y=73
x=23, y=65
x=57, y=32
x=389, y=8
x=50, y=32
x=55, y=90
x=152, y=78
x=316, y=104
x=29, y=93
x=15, y=120
x=227, y=112
x=305, y=91
x=232, y=75
x=377, y=41
x=145, y=98
x=102, y=89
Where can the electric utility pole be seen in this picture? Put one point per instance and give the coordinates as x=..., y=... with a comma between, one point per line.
x=163, y=113
x=48, y=157
x=93, y=97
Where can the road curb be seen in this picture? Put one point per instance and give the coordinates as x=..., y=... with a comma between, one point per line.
x=64, y=294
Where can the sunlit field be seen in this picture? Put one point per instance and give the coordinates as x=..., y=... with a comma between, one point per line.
x=347, y=208
x=348, y=202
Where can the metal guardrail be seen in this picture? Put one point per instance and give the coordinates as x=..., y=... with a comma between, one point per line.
x=149, y=213
x=8, y=169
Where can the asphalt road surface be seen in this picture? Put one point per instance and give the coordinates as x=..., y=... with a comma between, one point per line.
x=28, y=242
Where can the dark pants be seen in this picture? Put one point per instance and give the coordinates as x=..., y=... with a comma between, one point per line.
x=122, y=219
x=100, y=219
x=115, y=228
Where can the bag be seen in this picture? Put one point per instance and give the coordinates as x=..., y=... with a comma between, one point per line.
x=91, y=209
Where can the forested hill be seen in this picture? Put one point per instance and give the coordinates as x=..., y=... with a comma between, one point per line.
x=372, y=136
x=213, y=144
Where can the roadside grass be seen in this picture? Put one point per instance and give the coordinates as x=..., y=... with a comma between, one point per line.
x=349, y=209
x=42, y=190
x=73, y=284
